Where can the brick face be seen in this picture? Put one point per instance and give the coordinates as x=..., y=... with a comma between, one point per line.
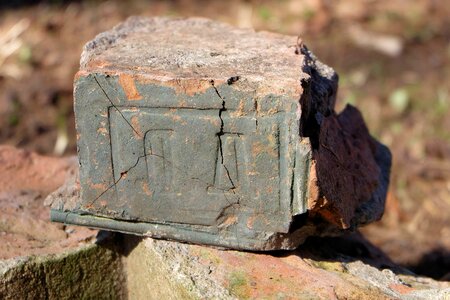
x=189, y=129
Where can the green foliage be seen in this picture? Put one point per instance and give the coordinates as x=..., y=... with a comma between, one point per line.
x=399, y=99
x=264, y=13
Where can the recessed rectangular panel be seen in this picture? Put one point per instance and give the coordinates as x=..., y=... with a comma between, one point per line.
x=182, y=166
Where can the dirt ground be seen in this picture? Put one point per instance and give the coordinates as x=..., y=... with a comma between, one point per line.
x=392, y=58
x=24, y=223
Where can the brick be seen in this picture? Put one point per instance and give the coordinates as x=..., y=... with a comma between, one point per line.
x=193, y=130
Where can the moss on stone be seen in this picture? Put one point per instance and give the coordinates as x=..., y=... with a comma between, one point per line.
x=239, y=284
x=90, y=272
x=149, y=278
x=334, y=266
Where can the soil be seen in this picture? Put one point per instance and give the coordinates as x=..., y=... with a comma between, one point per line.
x=25, y=227
x=398, y=80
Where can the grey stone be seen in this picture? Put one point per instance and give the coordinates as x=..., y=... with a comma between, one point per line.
x=158, y=269
x=192, y=130
x=89, y=272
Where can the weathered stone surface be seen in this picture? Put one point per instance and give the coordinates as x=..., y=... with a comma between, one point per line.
x=193, y=130
x=329, y=268
x=89, y=272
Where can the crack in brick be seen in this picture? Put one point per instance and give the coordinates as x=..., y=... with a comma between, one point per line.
x=118, y=110
x=122, y=174
x=221, y=133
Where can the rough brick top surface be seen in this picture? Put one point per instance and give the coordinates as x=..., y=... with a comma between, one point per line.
x=164, y=49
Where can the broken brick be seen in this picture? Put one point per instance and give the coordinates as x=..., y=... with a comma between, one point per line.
x=193, y=130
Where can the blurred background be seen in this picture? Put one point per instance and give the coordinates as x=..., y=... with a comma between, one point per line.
x=392, y=57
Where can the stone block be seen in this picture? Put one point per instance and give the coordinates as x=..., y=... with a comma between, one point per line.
x=193, y=130
x=322, y=268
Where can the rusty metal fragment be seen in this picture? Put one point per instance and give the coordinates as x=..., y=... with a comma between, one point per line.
x=192, y=130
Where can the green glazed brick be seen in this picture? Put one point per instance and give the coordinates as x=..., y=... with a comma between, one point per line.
x=189, y=129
